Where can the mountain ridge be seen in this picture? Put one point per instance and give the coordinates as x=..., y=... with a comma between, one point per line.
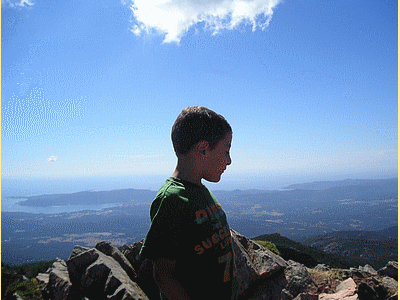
x=315, y=250
x=120, y=273
x=321, y=185
x=89, y=197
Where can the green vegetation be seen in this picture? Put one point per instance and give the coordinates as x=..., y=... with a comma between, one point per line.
x=332, y=274
x=21, y=280
x=30, y=289
x=269, y=246
x=30, y=270
x=332, y=278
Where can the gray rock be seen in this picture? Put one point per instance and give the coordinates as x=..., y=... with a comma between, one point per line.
x=97, y=276
x=144, y=269
x=389, y=283
x=286, y=295
x=259, y=271
x=357, y=273
x=368, y=270
x=366, y=292
x=78, y=250
x=57, y=282
x=298, y=279
x=390, y=270
x=110, y=250
x=43, y=277
x=353, y=273
x=78, y=262
x=322, y=267
x=380, y=290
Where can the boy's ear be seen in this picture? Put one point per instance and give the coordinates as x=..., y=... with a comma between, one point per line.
x=201, y=147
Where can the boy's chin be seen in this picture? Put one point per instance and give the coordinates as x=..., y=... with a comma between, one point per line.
x=214, y=179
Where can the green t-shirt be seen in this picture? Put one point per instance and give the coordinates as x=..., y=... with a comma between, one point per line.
x=189, y=225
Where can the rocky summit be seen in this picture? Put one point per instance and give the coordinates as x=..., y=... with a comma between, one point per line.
x=105, y=272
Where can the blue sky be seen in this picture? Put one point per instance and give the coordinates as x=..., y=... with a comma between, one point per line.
x=90, y=89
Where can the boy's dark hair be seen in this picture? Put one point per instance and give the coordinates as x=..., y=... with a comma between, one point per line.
x=195, y=124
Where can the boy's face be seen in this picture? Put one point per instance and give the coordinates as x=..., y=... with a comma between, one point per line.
x=217, y=159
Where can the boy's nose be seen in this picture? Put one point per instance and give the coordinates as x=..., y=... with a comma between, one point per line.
x=229, y=160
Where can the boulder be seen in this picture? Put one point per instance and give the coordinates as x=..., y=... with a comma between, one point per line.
x=389, y=283
x=259, y=271
x=110, y=250
x=143, y=268
x=97, y=276
x=367, y=269
x=43, y=277
x=78, y=250
x=366, y=292
x=354, y=273
x=390, y=270
x=380, y=290
x=57, y=283
x=357, y=273
x=298, y=279
x=346, y=290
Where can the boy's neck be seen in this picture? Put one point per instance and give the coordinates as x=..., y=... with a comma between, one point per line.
x=186, y=169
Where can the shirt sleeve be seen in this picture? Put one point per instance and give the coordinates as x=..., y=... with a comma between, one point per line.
x=167, y=236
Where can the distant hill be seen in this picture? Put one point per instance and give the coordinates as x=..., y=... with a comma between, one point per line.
x=322, y=185
x=338, y=250
x=91, y=198
x=369, y=245
x=306, y=255
x=391, y=232
x=293, y=213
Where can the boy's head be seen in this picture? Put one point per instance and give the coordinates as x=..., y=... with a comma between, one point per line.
x=195, y=124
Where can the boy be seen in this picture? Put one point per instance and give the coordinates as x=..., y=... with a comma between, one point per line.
x=189, y=239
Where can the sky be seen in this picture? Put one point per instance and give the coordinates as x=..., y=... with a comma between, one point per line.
x=90, y=89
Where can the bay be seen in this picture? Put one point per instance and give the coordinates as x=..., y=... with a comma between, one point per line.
x=11, y=205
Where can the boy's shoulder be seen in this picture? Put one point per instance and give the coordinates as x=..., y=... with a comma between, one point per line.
x=172, y=194
x=178, y=194
x=174, y=187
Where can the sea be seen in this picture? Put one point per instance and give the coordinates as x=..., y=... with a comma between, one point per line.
x=11, y=205
x=14, y=191
x=17, y=190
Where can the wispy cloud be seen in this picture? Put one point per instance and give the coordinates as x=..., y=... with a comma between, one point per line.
x=18, y=3
x=52, y=158
x=173, y=18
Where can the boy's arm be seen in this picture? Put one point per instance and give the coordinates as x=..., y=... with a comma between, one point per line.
x=164, y=276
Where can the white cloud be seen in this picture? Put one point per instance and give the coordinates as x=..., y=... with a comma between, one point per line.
x=52, y=158
x=18, y=3
x=173, y=18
